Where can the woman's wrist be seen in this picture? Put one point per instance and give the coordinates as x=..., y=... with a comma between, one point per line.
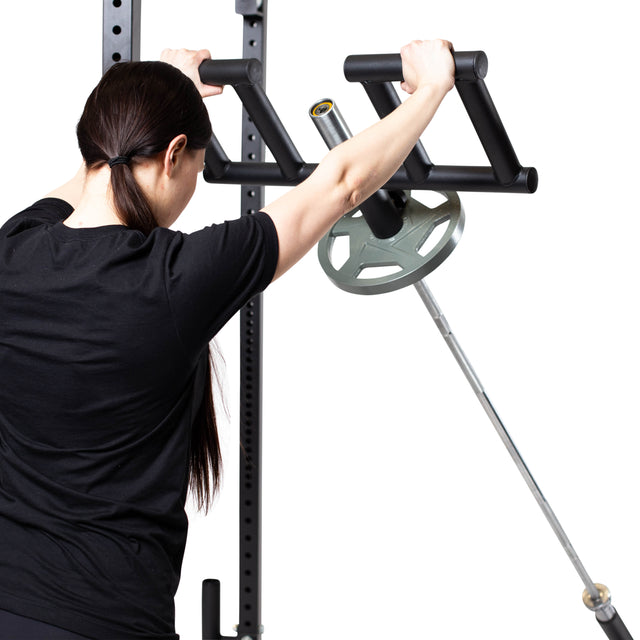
x=432, y=89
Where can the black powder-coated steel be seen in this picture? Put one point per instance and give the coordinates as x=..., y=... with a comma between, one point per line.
x=250, y=508
x=376, y=72
x=120, y=32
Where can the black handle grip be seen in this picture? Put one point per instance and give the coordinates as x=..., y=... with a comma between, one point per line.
x=615, y=628
x=471, y=68
x=234, y=72
x=245, y=76
x=387, y=67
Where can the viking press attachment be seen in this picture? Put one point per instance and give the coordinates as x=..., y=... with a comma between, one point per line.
x=395, y=233
x=394, y=229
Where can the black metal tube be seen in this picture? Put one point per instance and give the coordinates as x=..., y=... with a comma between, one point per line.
x=480, y=179
x=271, y=129
x=440, y=178
x=387, y=67
x=211, y=610
x=240, y=71
x=216, y=160
x=254, y=44
x=258, y=173
x=490, y=130
x=245, y=76
x=615, y=629
x=382, y=214
x=385, y=99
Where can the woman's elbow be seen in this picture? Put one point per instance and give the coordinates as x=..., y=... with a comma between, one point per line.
x=346, y=182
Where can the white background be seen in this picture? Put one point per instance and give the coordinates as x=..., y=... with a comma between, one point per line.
x=391, y=508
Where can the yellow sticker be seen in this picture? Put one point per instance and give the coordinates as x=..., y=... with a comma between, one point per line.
x=322, y=108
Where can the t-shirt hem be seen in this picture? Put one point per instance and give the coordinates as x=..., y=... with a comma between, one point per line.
x=74, y=622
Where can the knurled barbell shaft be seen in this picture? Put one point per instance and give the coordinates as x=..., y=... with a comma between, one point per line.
x=465, y=365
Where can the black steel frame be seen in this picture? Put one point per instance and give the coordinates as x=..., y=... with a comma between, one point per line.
x=254, y=45
x=120, y=31
x=121, y=42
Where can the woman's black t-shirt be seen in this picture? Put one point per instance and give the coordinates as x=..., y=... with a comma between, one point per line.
x=104, y=338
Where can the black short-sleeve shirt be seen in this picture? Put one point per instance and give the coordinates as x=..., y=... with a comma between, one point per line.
x=104, y=338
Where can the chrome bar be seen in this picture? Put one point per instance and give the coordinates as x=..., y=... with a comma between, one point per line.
x=465, y=365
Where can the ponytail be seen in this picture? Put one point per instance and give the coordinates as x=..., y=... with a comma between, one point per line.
x=130, y=202
x=134, y=113
x=205, y=461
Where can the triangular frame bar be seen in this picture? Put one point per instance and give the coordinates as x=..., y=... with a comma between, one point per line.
x=505, y=174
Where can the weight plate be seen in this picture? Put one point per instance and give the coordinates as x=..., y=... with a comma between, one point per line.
x=403, y=253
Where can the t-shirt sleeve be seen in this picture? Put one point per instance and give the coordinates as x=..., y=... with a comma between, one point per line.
x=212, y=273
x=46, y=210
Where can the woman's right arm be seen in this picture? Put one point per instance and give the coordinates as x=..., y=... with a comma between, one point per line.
x=357, y=168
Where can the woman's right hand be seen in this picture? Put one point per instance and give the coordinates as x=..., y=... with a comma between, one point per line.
x=189, y=62
x=428, y=62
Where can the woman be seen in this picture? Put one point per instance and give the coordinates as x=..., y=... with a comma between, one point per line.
x=106, y=416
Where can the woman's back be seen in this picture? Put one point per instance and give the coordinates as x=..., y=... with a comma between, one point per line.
x=103, y=360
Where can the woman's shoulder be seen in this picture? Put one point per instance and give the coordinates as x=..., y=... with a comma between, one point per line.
x=44, y=211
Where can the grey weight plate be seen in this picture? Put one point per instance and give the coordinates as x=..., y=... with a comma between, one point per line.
x=402, y=251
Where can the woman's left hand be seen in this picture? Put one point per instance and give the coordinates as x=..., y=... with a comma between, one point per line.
x=188, y=62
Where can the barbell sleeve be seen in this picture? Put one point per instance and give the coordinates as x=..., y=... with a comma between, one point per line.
x=382, y=211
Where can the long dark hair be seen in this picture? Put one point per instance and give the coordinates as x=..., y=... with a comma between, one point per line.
x=135, y=111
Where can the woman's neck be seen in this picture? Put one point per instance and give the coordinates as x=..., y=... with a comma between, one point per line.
x=95, y=207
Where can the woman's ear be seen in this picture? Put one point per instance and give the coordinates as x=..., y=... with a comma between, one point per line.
x=174, y=152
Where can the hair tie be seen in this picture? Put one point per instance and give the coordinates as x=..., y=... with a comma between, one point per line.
x=118, y=160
